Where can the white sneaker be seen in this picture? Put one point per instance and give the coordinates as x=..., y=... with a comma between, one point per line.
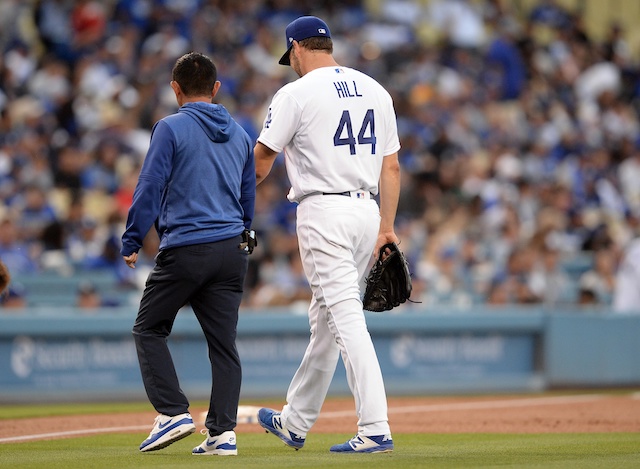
x=221, y=445
x=167, y=430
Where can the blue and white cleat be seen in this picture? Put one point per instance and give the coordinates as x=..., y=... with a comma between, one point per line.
x=365, y=444
x=167, y=430
x=271, y=421
x=219, y=445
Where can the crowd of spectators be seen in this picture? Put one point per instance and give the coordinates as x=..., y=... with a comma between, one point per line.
x=520, y=136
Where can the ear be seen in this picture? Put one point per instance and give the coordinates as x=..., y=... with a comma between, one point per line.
x=295, y=45
x=216, y=87
x=176, y=88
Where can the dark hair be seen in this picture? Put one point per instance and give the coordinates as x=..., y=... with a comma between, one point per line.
x=318, y=43
x=195, y=73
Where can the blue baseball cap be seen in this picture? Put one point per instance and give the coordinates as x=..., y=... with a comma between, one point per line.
x=303, y=28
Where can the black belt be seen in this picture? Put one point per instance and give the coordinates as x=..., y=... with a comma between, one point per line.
x=346, y=193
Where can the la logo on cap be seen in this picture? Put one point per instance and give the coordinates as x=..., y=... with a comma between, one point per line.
x=322, y=31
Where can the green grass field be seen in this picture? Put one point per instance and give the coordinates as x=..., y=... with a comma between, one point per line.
x=259, y=450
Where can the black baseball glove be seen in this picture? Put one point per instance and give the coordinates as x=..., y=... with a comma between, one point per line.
x=389, y=281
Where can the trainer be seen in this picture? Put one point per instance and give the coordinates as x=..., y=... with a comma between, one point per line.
x=197, y=185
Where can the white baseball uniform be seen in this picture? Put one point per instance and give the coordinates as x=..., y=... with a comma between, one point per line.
x=335, y=125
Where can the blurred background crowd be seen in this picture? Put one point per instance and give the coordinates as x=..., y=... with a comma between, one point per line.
x=519, y=126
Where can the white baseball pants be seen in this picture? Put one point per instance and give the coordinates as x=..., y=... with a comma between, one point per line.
x=336, y=236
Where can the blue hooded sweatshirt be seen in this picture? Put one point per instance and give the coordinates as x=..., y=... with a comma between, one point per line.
x=197, y=183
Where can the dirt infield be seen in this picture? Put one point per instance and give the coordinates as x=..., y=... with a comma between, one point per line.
x=491, y=414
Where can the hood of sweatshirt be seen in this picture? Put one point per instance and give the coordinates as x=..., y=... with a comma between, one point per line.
x=214, y=119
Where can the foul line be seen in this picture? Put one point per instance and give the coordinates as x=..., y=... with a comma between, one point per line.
x=479, y=405
x=73, y=433
x=559, y=400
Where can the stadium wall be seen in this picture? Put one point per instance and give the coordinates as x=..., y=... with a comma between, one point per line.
x=48, y=356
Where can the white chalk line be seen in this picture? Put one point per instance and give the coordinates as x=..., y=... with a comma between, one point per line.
x=454, y=406
x=40, y=436
x=480, y=405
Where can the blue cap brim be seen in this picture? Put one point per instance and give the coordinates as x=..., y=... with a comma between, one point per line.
x=284, y=60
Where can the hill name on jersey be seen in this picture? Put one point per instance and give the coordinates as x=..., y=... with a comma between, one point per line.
x=344, y=90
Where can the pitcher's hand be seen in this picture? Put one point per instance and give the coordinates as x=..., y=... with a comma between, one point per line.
x=384, y=238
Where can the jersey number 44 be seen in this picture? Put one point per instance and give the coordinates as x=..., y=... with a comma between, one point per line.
x=366, y=136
